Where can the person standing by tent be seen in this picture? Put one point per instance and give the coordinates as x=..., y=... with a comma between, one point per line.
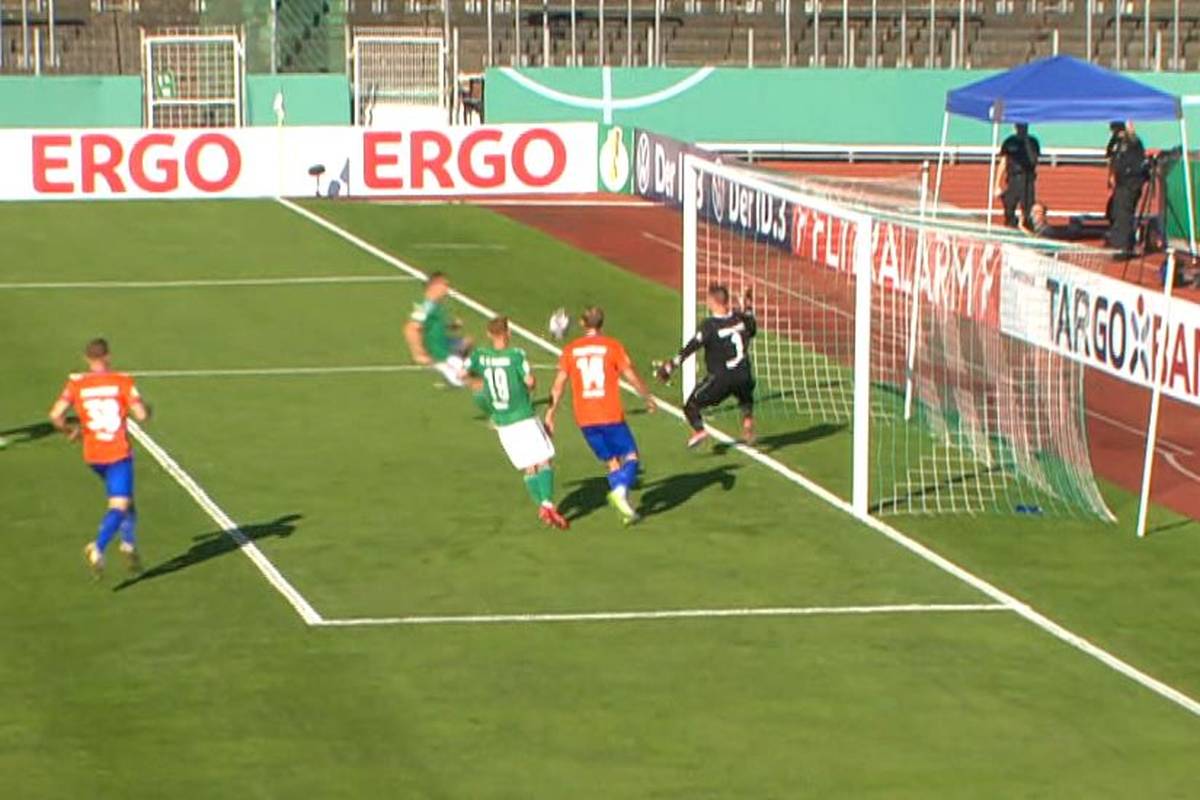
x=1016, y=177
x=1127, y=176
x=1116, y=133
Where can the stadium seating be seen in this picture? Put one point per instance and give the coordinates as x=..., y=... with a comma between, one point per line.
x=101, y=36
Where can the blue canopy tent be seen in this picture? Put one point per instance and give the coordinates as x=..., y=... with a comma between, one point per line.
x=1062, y=89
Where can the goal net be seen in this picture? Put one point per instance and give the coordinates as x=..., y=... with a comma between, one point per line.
x=193, y=78
x=399, y=79
x=903, y=389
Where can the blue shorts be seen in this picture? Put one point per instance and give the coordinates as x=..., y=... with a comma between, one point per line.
x=612, y=440
x=117, y=477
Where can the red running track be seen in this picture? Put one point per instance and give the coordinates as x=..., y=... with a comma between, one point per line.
x=647, y=241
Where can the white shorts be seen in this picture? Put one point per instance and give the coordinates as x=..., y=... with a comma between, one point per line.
x=526, y=443
x=450, y=369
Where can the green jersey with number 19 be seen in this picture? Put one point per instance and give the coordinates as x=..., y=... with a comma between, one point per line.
x=504, y=372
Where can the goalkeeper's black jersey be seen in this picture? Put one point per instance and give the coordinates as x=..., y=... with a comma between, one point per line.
x=726, y=343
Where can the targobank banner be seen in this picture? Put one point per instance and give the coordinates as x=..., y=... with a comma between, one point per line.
x=1103, y=322
x=327, y=161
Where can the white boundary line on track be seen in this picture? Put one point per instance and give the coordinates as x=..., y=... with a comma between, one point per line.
x=531, y=202
x=192, y=284
x=264, y=565
x=683, y=613
x=908, y=543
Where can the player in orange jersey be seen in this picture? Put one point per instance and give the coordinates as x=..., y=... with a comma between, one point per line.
x=594, y=365
x=104, y=399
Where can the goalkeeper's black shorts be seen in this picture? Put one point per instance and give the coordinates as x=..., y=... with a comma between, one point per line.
x=715, y=388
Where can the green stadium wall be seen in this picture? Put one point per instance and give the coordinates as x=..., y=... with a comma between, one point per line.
x=309, y=99
x=71, y=102
x=829, y=106
x=116, y=101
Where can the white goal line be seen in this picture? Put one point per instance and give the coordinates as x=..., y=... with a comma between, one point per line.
x=910, y=544
x=206, y=282
x=681, y=613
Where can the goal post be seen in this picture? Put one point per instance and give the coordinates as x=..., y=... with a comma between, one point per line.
x=193, y=78
x=399, y=78
x=722, y=244
x=883, y=340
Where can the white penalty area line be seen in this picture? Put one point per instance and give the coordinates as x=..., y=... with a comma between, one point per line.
x=192, y=284
x=683, y=613
x=908, y=543
x=231, y=529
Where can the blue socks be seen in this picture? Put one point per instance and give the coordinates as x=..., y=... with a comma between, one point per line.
x=129, y=526
x=112, y=520
x=624, y=476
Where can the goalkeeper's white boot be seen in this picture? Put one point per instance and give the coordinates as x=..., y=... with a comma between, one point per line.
x=619, y=499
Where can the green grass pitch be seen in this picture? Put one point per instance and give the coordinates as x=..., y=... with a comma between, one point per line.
x=379, y=495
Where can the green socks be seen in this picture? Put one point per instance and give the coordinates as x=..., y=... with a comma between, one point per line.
x=540, y=485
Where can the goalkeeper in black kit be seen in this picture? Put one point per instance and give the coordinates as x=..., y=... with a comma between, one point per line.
x=725, y=337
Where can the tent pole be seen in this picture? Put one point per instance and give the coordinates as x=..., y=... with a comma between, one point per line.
x=992, y=172
x=937, y=183
x=1188, y=189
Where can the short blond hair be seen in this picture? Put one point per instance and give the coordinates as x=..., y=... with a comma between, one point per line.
x=592, y=317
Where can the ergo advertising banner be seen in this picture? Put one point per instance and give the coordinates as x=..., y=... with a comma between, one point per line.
x=129, y=163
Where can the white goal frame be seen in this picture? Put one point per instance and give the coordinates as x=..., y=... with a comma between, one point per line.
x=417, y=90
x=693, y=166
x=207, y=76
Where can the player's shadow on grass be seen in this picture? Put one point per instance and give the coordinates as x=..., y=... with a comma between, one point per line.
x=28, y=433
x=778, y=441
x=587, y=495
x=667, y=493
x=213, y=544
x=664, y=494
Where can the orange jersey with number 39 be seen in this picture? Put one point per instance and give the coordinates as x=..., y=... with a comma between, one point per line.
x=102, y=401
x=595, y=364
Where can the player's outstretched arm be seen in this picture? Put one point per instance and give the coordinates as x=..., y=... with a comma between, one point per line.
x=556, y=393
x=663, y=370
x=412, y=334
x=630, y=374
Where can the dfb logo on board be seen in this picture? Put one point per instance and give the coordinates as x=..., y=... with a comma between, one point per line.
x=718, y=185
x=642, y=165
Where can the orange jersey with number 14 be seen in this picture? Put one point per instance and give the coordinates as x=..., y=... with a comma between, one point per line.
x=595, y=364
x=102, y=401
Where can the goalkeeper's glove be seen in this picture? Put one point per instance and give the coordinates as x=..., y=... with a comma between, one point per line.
x=664, y=369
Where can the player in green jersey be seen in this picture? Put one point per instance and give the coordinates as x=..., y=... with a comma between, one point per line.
x=508, y=382
x=432, y=334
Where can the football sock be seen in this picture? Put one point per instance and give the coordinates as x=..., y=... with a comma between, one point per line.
x=129, y=527
x=546, y=483
x=108, y=527
x=532, y=485
x=692, y=412
x=614, y=480
x=628, y=473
